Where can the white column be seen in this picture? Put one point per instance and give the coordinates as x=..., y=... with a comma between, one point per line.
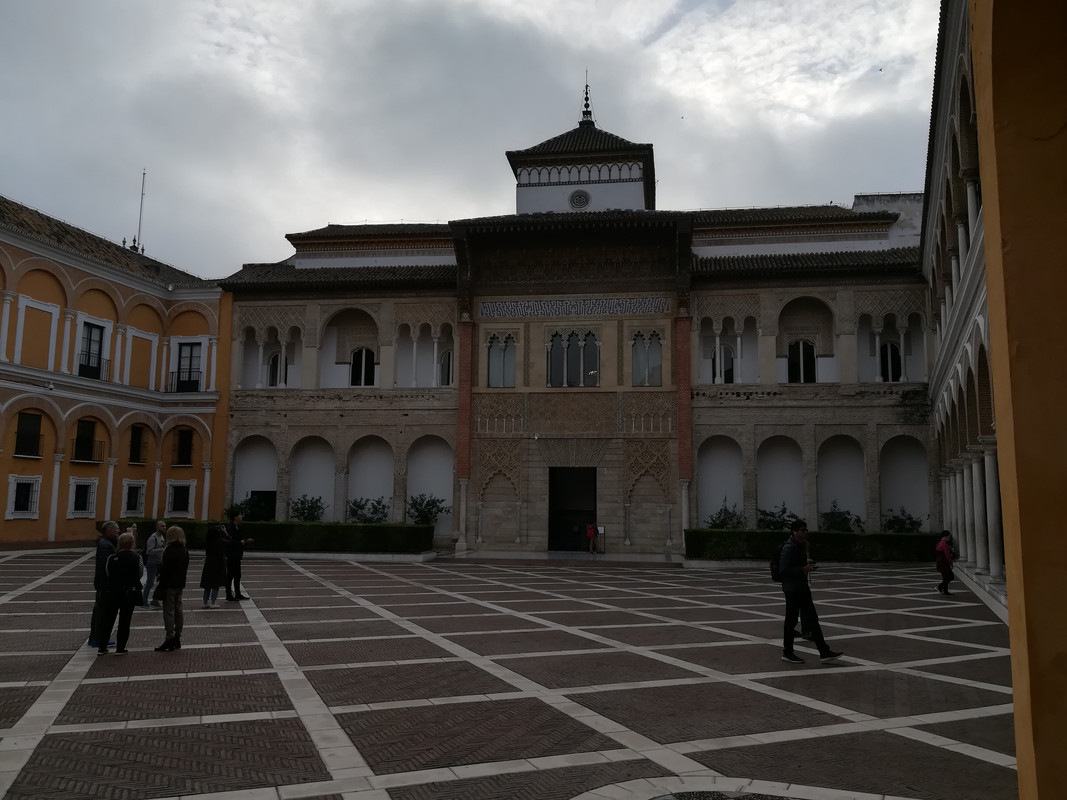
x=992, y=508
x=581, y=363
x=878, y=355
x=737, y=362
x=961, y=234
x=903, y=357
x=718, y=359
x=434, y=376
x=213, y=350
x=961, y=517
x=954, y=260
x=461, y=543
x=4, y=321
x=946, y=516
x=981, y=535
x=548, y=363
x=53, y=511
x=155, y=491
x=972, y=204
x=414, y=358
x=64, y=354
x=165, y=381
x=283, y=364
x=259, y=364
x=206, y=466
x=111, y=462
x=566, y=358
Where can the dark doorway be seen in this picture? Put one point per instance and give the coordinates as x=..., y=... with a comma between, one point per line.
x=571, y=506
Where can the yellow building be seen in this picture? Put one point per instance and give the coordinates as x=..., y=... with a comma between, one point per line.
x=110, y=379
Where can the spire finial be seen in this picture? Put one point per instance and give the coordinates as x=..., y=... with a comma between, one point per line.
x=587, y=112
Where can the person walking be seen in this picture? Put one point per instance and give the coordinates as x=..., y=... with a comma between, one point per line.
x=123, y=569
x=153, y=554
x=235, y=551
x=173, y=569
x=794, y=566
x=105, y=548
x=943, y=561
x=213, y=575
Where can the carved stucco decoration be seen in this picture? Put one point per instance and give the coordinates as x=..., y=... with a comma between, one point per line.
x=261, y=318
x=648, y=456
x=499, y=413
x=415, y=315
x=648, y=412
x=498, y=457
x=573, y=411
x=720, y=307
x=572, y=452
x=900, y=302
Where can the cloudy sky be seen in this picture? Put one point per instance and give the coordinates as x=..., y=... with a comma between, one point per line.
x=257, y=118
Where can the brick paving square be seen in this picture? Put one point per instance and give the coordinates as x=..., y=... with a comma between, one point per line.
x=38, y=641
x=403, y=739
x=587, y=619
x=669, y=714
x=650, y=602
x=16, y=701
x=41, y=622
x=733, y=659
x=382, y=684
x=486, y=622
x=649, y=635
x=890, y=649
x=989, y=635
x=994, y=670
x=413, y=596
x=494, y=595
x=710, y=614
x=38, y=668
x=495, y=644
x=886, y=694
x=188, y=659
x=594, y=669
x=61, y=608
x=551, y=784
x=302, y=601
x=540, y=604
x=175, y=697
x=413, y=611
x=337, y=629
x=878, y=763
x=309, y=654
x=273, y=615
x=762, y=628
x=167, y=761
x=995, y=733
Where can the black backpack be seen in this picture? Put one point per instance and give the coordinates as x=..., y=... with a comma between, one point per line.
x=776, y=563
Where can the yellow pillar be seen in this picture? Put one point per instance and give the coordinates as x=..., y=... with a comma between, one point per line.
x=1020, y=71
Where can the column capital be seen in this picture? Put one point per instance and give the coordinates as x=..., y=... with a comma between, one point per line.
x=205, y=465
x=58, y=457
x=111, y=462
x=464, y=481
x=684, y=482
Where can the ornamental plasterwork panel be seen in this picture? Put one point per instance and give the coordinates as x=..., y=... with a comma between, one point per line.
x=501, y=335
x=499, y=413
x=900, y=302
x=498, y=457
x=565, y=332
x=573, y=411
x=649, y=456
x=719, y=307
x=260, y=318
x=576, y=307
x=572, y=452
x=415, y=315
x=648, y=412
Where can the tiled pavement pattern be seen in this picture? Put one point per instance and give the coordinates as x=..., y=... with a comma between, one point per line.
x=457, y=679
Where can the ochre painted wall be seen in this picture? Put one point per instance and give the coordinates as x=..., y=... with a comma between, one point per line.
x=1020, y=67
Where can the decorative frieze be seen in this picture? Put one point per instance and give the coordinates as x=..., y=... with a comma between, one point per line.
x=576, y=307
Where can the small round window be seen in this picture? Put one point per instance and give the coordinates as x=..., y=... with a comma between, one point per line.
x=579, y=199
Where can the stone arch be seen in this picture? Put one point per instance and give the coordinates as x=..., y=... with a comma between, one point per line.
x=255, y=472
x=720, y=477
x=841, y=470
x=780, y=474
x=371, y=471
x=35, y=274
x=312, y=472
x=903, y=470
x=430, y=467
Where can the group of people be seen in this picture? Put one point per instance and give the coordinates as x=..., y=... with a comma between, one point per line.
x=164, y=564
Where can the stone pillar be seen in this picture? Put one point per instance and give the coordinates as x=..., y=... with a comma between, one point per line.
x=111, y=462
x=155, y=491
x=718, y=357
x=5, y=320
x=877, y=355
x=237, y=362
x=53, y=511
x=961, y=234
x=117, y=375
x=259, y=363
x=340, y=494
x=461, y=534
x=206, y=467
x=961, y=517
x=992, y=506
x=64, y=354
x=685, y=505
x=971, y=183
x=213, y=350
x=165, y=383
x=434, y=372
x=768, y=362
x=968, y=510
x=981, y=535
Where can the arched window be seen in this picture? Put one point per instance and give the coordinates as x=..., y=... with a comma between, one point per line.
x=574, y=360
x=889, y=362
x=647, y=360
x=362, y=368
x=444, y=364
x=501, y=362
x=801, y=361
x=275, y=370
x=727, y=364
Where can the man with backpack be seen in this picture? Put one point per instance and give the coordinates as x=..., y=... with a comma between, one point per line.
x=793, y=568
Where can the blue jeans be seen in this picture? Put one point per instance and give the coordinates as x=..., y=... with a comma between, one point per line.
x=150, y=578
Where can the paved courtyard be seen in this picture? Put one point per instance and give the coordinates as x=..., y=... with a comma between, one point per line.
x=457, y=679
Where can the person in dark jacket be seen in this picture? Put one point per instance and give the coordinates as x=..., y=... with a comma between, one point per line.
x=213, y=575
x=153, y=554
x=170, y=582
x=123, y=570
x=235, y=551
x=105, y=548
x=795, y=565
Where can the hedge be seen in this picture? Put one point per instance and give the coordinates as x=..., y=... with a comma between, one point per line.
x=307, y=537
x=759, y=545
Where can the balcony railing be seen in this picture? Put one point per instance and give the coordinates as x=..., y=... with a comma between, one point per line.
x=184, y=380
x=88, y=450
x=28, y=445
x=94, y=366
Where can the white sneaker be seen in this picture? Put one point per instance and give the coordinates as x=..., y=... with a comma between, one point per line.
x=206, y=605
x=214, y=605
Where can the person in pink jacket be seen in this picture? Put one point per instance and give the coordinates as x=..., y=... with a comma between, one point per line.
x=943, y=561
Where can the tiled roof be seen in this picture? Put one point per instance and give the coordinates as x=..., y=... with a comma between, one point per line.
x=899, y=259
x=36, y=225
x=393, y=229
x=586, y=138
x=556, y=218
x=788, y=214
x=284, y=275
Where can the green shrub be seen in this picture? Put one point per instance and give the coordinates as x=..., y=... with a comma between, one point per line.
x=307, y=509
x=725, y=518
x=840, y=520
x=775, y=519
x=424, y=509
x=901, y=521
x=826, y=546
x=366, y=510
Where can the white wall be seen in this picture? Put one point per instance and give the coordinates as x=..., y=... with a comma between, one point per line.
x=602, y=196
x=431, y=467
x=370, y=471
x=311, y=472
x=719, y=474
x=905, y=476
x=780, y=475
x=255, y=467
x=842, y=477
